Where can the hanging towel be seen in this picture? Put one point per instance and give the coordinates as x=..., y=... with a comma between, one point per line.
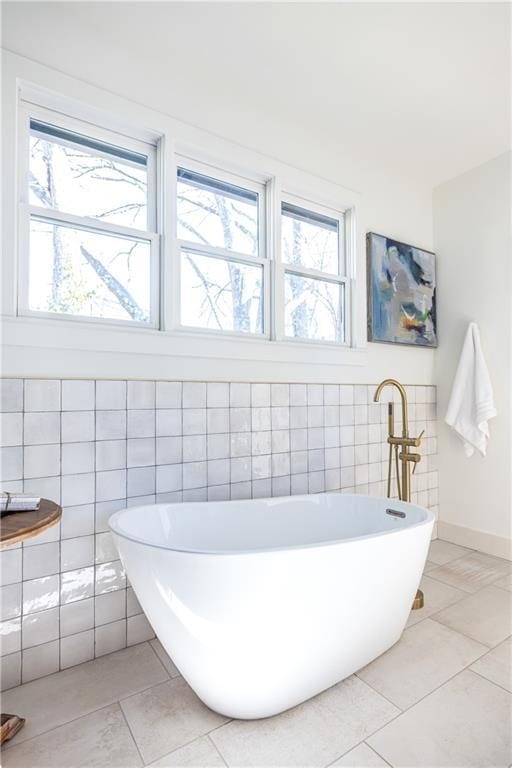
x=471, y=402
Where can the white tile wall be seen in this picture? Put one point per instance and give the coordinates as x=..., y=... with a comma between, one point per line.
x=97, y=446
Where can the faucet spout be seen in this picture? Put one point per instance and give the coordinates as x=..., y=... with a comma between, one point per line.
x=403, y=396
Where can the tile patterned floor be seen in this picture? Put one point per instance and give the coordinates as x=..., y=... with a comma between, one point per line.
x=441, y=697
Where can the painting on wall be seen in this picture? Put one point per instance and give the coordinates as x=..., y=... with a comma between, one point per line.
x=401, y=293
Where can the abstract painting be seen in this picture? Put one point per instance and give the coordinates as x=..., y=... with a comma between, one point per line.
x=401, y=293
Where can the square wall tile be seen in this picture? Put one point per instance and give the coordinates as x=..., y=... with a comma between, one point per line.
x=110, y=395
x=260, y=395
x=240, y=395
x=77, y=458
x=41, y=460
x=40, y=661
x=141, y=394
x=138, y=630
x=11, y=463
x=194, y=448
x=78, y=395
x=110, y=425
x=141, y=481
x=169, y=478
x=10, y=636
x=11, y=429
x=141, y=423
x=76, y=553
x=111, y=485
x=77, y=521
x=110, y=454
x=40, y=560
x=110, y=637
x=168, y=394
x=106, y=550
x=42, y=395
x=109, y=577
x=194, y=394
x=10, y=565
x=76, y=649
x=38, y=628
x=77, y=426
x=41, y=428
x=78, y=489
x=11, y=395
x=168, y=450
x=169, y=422
x=41, y=594
x=110, y=607
x=10, y=671
x=140, y=452
x=76, y=585
x=217, y=395
x=10, y=603
x=194, y=421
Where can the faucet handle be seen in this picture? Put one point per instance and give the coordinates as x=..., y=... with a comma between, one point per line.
x=417, y=440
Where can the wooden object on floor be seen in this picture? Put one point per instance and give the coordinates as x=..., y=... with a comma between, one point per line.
x=19, y=526
x=14, y=528
x=10, y=726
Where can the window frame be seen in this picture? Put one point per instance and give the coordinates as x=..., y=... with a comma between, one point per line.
x=343, y=277
x=28, y=110
x=263, y=259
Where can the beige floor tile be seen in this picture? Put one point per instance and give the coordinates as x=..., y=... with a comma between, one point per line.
x=96, y=740
x=201, y=753
x=485, y=616
x=361, y=756
x=166, y=717
x=472, y=572
x=427, y=655
x=313, y=734
x=64, y=696
x=504, y=583
x=442, y=552
x=429, y=566
x=496, y=665
x=437, y=596
x=465, y=723
x=164, y=657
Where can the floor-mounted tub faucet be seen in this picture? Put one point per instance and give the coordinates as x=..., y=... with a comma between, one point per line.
x=403, y=456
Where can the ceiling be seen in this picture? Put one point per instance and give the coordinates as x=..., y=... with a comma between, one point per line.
x=417, y=90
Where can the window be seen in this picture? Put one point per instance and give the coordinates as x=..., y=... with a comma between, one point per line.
x=223, y=267
x=92, y=249
x=313, y=262
x=242, y=259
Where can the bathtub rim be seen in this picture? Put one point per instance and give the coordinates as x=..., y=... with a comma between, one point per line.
x=427, y=520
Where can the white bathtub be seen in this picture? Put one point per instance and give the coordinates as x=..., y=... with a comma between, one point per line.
x=264, y=603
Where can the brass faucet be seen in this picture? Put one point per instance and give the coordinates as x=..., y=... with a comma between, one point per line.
x=404, y=456
x=403, y=479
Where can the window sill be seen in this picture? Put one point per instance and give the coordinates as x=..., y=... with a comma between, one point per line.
x=44, y=347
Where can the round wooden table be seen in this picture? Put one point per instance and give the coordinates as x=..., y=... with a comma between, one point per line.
x=14, y=528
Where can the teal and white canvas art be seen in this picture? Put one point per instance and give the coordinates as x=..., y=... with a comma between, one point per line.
x=401, y=293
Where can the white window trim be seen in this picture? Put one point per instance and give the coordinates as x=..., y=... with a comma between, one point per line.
x=30, y=107
x=50, y=347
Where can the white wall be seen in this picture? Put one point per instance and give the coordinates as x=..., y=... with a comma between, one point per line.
x=472, y=238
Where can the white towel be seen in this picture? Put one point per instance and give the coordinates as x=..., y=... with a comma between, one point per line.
x=472, y=401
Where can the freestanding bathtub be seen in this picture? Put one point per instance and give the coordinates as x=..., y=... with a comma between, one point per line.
x=264, y=603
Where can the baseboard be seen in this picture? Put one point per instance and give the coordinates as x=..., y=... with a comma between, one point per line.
x=498, y=546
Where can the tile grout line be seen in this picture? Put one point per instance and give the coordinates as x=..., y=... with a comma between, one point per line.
x=434, y=690
x=90, y=712
x=484, y=677
x=123, y=715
